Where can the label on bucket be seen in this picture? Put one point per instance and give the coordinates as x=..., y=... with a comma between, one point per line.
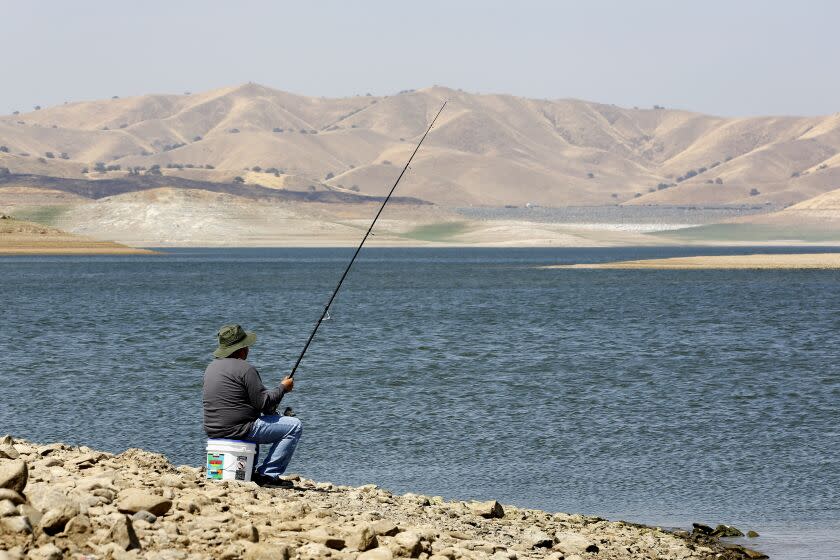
x=215, y=465
x=241, y=463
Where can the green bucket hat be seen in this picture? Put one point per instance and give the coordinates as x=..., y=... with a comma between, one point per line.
x=231, y=339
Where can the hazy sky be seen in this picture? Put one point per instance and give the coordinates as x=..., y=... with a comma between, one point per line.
x=734, y=57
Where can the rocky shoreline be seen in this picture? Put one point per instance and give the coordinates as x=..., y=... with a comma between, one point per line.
x=58, y=501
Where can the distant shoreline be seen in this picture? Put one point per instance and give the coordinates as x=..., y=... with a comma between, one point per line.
x=795, y=261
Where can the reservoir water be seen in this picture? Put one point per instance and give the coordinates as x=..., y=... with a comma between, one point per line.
x=661, y=397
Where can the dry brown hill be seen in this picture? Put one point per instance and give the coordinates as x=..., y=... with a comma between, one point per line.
x=487, y=149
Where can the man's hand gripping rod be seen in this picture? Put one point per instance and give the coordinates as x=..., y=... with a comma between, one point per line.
x=359, y=248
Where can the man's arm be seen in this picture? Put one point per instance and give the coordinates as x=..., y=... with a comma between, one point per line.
x=262, y=399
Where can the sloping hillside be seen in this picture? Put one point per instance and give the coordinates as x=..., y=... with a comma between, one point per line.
x=486, y=150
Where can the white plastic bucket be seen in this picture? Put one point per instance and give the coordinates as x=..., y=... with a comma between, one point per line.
x=228, y=459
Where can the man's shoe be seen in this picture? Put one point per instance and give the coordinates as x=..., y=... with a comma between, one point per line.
x=271, y=481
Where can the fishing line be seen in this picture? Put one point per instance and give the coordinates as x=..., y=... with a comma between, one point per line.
x=326, y=311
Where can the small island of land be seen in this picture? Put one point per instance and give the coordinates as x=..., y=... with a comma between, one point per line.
x=26, y=238
x=725, y=262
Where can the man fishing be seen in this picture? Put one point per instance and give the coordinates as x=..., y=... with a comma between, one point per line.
x=238, y=406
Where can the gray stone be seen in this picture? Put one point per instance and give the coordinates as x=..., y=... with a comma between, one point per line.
x=122, y=534
x=262, y=551
x=385, y=528
x=16, y=524
x=379, y=553
x=11, y=495
x=361, y=538
x=56, y=518
x=489, y=509
x=752, y=534
x=146, y=516
x=14, y=475
x=133, y=500
x=574, y=543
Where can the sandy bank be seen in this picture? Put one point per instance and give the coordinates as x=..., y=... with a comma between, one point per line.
x=26, y=238
x=58, y=501
x=725, y=262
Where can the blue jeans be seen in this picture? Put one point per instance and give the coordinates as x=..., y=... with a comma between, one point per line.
x=282, y=434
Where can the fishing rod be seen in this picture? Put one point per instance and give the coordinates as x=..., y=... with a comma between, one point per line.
x=359, y=248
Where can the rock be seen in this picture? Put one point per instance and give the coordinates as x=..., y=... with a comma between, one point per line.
x=93, y=483
x=743, y=552
x=262, y=551
x=380, y=553
x=248, y=533
x=57, y=517
x=7, y=508
x=752, y=534
x=16, y=524
x=45, y=450
x=87, y=460
x=327, y=536
x=313, y=551
x=385, y=528
x=574, y=543
x=133, y=500
x=144, y=515
x=726, y=531
x=407, y=544
x=78, y=525
x=106, y=495
x=11, y=495
x=8, y=452
x=14, y=475
x=187, y=505
x=489, y=509
x=361, y=538
x=46, y=552
x=172, y=481
x=122, y=534
x=535, y=538
x=701, y=529
x=30, y=513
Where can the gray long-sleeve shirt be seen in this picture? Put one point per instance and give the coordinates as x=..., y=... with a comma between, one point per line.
x=234, y=396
